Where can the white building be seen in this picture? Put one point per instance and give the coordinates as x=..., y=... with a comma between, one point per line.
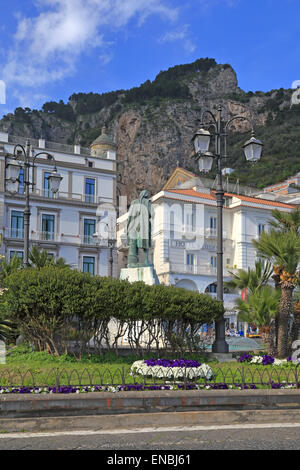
x=185, y=231
x=72, y=223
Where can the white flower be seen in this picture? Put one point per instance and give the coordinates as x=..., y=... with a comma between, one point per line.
x=203, y=371
x=256, y=360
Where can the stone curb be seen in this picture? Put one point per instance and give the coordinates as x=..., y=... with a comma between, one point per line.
x=141, y=421
x=148, y=402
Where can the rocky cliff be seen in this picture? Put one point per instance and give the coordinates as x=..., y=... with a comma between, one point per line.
x=153, y=125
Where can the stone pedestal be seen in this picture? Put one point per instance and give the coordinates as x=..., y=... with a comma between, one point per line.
x=147, y=274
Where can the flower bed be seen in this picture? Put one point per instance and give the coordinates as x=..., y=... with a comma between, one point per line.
x=264, y=360
x=176, y=369
x=139, y=388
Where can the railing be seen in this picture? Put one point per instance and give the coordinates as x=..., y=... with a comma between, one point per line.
x=52, y=236
x=89, y=198
x=212, y=233
x=89, y=240
x=192, y=269
x=13, y=233
x=240, y=377
x=46, y=144
x=47, y=236
x=204, y=269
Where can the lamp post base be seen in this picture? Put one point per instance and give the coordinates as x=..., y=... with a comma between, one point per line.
x=220, y=345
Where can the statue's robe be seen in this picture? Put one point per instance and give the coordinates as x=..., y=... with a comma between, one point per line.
x=139, y=222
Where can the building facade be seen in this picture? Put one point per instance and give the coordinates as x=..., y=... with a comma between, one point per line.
x=76, y=222
x=185, y=234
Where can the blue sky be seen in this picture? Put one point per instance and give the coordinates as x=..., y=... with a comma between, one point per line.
x=50, y=49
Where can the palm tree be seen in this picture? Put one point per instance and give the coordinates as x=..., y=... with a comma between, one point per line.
x=296, y=321
x=286, y=221
x=253, y=279
x=283, y=249
x=6, y=268
x=260, y=308
x=40, y=259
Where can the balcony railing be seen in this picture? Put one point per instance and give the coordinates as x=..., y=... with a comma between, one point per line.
x=89, y=198
x=46, y=236
x=212, y=233
x=181, y=268
x=14, y=233
x=88, y=240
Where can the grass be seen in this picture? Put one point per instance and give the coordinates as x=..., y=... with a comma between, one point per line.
x=31, y=368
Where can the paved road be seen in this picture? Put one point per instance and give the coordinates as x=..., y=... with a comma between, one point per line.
x=245, y=437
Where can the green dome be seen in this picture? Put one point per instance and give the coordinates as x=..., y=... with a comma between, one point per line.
x=104, y=141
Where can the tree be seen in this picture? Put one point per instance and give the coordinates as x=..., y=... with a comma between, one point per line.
x=8, y=267
x=286, y=221
x=261, y=308
x=40, y=259
x=253, y=279
x=283, y=249
x=53, y=306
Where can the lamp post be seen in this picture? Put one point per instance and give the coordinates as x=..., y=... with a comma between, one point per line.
x=111, y=242
x=253, y=150
x=13, y=168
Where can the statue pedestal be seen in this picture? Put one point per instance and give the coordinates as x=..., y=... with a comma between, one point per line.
x=147, y=274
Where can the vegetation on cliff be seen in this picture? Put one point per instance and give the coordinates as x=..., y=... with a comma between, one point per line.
x=165, y=110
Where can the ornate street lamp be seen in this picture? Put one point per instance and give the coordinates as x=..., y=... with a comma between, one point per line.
x=54, y=180
x=13, y=168
x=253, y=151
x=111, y=243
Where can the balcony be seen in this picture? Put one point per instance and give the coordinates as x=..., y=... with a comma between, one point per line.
x=91, y=240
x=18, y=234
x=88, y=240
x=13, y=233
x=212, y=233
x=45, y=236
x=61, y=195
x=203, y=269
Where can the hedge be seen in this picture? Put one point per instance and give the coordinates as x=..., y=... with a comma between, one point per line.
x=58, y=308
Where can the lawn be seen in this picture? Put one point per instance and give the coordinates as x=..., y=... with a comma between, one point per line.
x=26, y=367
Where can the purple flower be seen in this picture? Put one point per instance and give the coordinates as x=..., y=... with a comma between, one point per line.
x=245, y=357
x=267, y=359
x=172, y=363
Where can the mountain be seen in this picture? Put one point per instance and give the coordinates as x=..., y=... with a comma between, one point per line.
x=153, y=125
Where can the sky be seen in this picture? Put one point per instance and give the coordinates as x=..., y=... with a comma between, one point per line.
x=50, y=49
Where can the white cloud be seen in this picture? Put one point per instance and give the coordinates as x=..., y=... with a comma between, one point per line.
x=296, y=84
x=180, y=34
x=47, y=47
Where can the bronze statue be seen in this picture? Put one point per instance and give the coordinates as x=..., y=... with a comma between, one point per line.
x=139, y=229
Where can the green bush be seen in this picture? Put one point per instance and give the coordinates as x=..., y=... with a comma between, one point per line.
x=53, y=306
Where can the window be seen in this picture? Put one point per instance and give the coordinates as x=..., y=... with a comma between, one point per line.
x=213, y=261
x=190, y=259
x=46, y=185
x=172, y=226
x=89, y=264
x=89, y=190
x=48, y=227
x=261, y=228
x=19, y=254
x=21, y=181
x=212, y=289
x=89, y=230
x=213, y=226
x=91, y=164
x=213, y=223
x=17, y=224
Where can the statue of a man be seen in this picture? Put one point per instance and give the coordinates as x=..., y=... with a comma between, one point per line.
x=139, y=229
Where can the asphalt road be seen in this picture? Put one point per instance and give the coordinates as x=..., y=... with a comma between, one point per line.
x=273, y=437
